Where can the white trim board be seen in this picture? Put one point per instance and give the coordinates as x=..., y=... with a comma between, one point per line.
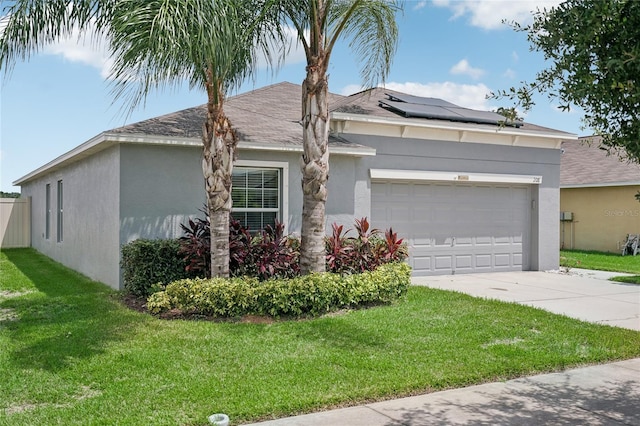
x=424, y=175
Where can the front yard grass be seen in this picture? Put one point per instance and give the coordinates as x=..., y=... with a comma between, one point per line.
x=71, y=353
x=613, y=262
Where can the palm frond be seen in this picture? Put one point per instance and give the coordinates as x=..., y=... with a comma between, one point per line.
x=30, y=25
x=160, y=43
x=371, y=29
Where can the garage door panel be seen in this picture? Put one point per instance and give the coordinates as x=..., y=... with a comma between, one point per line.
x=484, y=241
x=422, y=263
x=421, y=242
x=443, y=263
x=502, y=260
x=483, y=261
x=456, y=228
x=464, y=262
x=399, y=190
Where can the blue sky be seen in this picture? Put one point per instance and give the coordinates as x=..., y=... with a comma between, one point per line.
x=455, y=50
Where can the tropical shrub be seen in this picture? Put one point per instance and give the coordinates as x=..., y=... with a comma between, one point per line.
x=308, y=295
x=271, y=254
x=364, y=252
x=195, y=245
x=267, y=254
x=147, y=263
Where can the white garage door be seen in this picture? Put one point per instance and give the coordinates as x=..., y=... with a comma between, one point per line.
x=457, y=227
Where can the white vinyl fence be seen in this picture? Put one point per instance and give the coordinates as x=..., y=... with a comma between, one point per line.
x=15, y=222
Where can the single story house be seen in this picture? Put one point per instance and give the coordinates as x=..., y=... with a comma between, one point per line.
x=467, y=193
x=597, y=197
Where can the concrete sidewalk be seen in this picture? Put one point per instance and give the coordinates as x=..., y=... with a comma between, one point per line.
x=606, y=394
x=599, y=395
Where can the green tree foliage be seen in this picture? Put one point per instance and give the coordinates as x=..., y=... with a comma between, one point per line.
x=593, y=51
x=9, y=194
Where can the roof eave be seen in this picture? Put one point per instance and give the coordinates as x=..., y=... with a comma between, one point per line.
x=107, y=139
x=458, y=131
x=599, y=185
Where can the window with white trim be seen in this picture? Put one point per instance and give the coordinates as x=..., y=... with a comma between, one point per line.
x=47, y=214
x=60, y=210
x=257, y=196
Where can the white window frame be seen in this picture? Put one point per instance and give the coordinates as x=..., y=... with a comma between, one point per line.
x=284, y=190
x=60, y=211
x=47, y=211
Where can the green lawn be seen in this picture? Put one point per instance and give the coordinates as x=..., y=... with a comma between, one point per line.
x=604, y=262
x=70, y=353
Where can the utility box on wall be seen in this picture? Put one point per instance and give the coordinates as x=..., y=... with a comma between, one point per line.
x=566, y=216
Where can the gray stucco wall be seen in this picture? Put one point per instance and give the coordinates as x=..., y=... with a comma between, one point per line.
x=90, y=216
x=416, y=154
x=160, y=188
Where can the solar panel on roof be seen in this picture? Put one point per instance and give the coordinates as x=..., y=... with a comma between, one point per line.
x=423, y=111
x=419, y=100
x=416, y=106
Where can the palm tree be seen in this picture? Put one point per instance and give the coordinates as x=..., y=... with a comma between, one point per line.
x=371, y=29
x=160, y=43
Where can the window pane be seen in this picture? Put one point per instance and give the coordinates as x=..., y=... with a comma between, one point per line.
x=254, y=198
x=47, y=224
x=271, y=179
x=60, y=212
x=253, y=221
x=239, y=178
x=270, y=199
x=239, y=197
x=254, y=179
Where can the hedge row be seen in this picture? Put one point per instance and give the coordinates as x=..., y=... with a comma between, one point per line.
x=146, y=263
x=313, y=294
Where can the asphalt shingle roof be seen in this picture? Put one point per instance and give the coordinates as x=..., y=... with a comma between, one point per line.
x=267, y=115
x=271, y=115
x=584, y=163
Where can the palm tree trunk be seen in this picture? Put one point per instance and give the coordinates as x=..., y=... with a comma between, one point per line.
x=315, y=168
x=219, y=152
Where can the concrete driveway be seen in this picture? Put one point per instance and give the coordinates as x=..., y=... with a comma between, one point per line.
x=581, y=294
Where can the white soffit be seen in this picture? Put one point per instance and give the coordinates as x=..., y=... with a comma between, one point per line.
x=440, y=129
x=423, y=175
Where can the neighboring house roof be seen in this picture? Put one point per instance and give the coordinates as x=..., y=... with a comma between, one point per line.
x=584, y=164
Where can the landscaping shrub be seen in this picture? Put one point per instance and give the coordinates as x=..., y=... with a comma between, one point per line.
x=312, y=294
x=365, y=252
x=271, y=254
x=265, y=255
x=195, y=245
x=146, y=263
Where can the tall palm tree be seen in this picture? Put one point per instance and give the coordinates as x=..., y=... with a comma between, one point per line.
x=370, y=26
x=160, y=43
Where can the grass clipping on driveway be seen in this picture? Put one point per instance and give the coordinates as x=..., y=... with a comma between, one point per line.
x=70, y=353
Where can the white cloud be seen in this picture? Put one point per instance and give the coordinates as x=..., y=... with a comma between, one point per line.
x=295, y=53
x=514, y=56
x=489, y=14
x=419, y=5
x=84, y=49
x=463, y=67
x=350, y=89
x=465, y=95
x=92, y=50
x=509, y=73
